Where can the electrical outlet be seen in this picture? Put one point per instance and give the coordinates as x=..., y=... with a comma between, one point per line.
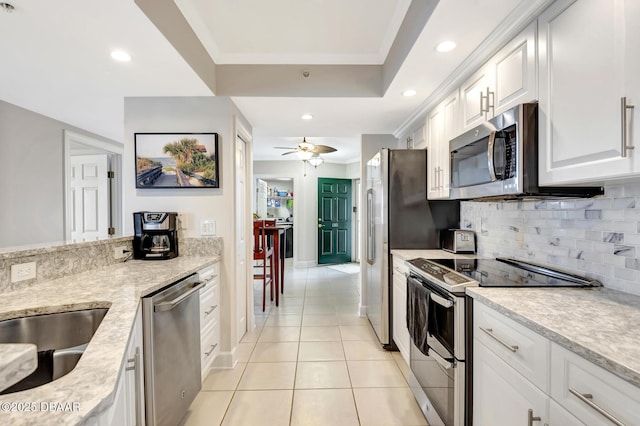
x=119, y=252
x=208, y=227
x=23, y=271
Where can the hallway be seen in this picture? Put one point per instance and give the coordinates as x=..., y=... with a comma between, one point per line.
x=310, y=361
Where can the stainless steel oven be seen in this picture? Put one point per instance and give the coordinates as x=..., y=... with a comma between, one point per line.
x=438, y=321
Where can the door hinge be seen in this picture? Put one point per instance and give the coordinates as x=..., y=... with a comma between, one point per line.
x=111, y=174
x=355, y=209
x=111, y=231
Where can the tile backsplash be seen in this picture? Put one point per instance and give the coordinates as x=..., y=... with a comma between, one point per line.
x=597, y=237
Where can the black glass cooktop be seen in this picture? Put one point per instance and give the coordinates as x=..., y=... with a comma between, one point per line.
x=505, y=272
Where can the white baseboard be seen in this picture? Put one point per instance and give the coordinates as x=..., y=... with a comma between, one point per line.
x=362, y=310
x=226, y=360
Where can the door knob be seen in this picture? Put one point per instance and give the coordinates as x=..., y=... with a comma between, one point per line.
x=320, y=225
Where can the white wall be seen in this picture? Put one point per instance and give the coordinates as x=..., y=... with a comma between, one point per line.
x=305, y=203
x=31, y=176
x=191, y=114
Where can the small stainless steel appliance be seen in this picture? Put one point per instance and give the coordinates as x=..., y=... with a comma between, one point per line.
x=499, y=159
x=155, y=235
x=458, y=240
x=172, y=375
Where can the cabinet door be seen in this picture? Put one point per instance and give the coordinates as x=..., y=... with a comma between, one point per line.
x=471, y=92
x=435, y=130
x=400, y=331
x=558, y=416
x=515, y=72
x=451, y=129
x=501, y=396
x=585, y=71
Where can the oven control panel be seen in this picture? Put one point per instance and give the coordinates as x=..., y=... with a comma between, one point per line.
x=446, y=276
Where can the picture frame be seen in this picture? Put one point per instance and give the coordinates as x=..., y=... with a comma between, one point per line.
x=176, y=160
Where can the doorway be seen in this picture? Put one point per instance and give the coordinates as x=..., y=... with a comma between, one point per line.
x=334, y=220
x=93, y=188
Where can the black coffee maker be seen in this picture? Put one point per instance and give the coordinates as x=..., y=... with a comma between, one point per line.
x=155, y=235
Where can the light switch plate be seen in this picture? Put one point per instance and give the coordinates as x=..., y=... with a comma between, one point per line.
x=208, y=227
x=23, y=271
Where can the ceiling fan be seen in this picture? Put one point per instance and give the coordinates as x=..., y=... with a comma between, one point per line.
x=306, y=149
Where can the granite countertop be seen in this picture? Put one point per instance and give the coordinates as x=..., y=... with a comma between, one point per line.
x=429, y=254
x=599, y=324
x=17, y=361
x=89, y=388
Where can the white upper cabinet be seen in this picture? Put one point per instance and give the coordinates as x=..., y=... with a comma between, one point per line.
x=443, y=124
x=507, y=79
x=589, y=63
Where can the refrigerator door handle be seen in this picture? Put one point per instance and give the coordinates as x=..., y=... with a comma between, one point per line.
x=371, y=252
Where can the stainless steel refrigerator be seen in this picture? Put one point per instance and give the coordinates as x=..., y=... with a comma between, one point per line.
x=398, y=216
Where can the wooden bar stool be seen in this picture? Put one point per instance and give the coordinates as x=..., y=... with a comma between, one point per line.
x=262, y=253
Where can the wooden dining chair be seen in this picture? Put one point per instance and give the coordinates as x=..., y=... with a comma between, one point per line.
x=263, y=254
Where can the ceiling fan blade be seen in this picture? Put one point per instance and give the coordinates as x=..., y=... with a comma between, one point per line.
x=323, y=149
x=290, y=152
x=285, y=147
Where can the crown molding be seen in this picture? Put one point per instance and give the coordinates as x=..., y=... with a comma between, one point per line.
x=521, y=16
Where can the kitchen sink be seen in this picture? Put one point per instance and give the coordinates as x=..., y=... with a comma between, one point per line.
x=61, y=339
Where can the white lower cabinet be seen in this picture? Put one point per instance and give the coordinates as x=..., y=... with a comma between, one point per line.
x=516, y=370
x=400, y=332
x=209, y=317
x=501, y=396
x=592, y=394
x=128, y=405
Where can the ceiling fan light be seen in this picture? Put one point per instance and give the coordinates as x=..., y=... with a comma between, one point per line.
x=315, y=161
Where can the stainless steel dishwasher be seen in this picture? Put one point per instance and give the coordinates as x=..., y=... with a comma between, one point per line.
x=171, y=321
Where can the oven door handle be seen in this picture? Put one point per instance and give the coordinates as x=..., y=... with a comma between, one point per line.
x=441, y=300
x=447, y=365
x=491, y=165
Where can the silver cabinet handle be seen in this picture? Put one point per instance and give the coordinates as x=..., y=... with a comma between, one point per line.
x=213, y=308
x=135, y=368
x=208, y=280
x=491, y=105
x=166, y=306
x=489, y=331
x=531, y=418
x=623, y=112
x=213, y=348
x=587, y=399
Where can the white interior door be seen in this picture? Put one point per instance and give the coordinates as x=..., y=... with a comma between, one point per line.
x=88, y=204
x=241, y=237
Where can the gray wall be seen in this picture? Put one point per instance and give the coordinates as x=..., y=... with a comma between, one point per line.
x=31, y=176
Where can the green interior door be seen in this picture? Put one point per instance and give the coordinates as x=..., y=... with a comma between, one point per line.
x=334, y=220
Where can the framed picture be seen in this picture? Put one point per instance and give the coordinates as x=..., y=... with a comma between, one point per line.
x=177, y=160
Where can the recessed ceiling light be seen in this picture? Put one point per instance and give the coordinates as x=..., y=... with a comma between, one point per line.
x=446, y=46
x=121, y=56
x=7, y=7
x=307, y=117
x=409, y=92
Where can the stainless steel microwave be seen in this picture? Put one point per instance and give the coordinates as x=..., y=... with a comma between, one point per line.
x=499, y=159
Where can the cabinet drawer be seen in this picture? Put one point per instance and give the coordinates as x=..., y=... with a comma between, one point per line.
x=609, y=393
x=209, y=308
x=209, y=343
x=525, y=350
x=209, y=271
x=558, y=416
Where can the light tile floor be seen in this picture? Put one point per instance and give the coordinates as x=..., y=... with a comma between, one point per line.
x=310, y=361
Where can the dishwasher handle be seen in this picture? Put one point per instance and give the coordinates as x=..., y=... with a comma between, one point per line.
x=170, y=304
